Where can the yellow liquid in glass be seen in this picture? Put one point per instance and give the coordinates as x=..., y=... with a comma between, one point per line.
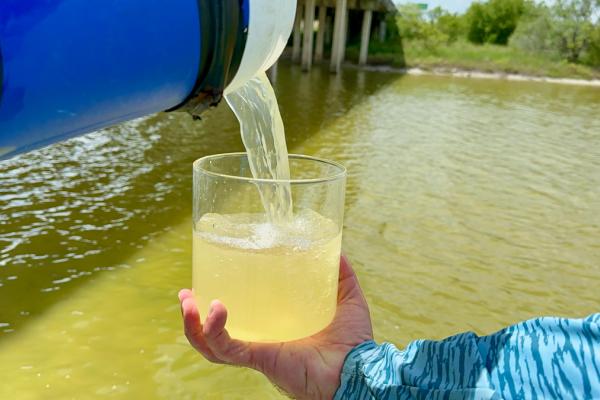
x=278, y=282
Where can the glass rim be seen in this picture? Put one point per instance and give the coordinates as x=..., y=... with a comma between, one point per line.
x=341, y=173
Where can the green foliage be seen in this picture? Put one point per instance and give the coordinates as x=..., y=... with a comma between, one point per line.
x=565, y=30
x=551, y=38
x=464, y=55
x=413, y=26
x=494, y=21
x=392, y=28
x=573, y=26
x=593, y=54
x=535, y=32
x=432, y=29
x=453, y=26
x=409, y=21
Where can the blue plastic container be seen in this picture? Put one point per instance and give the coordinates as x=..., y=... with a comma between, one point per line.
x=69, y=67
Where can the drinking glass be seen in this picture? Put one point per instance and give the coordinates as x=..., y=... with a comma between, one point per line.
x=278, y=279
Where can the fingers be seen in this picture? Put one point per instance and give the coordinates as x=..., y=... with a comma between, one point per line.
x=214, y=328
x=193, y=325
x=211, y=338
x=217, y=338
x=184, y=294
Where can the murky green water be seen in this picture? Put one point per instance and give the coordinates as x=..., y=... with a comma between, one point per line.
x=472, y=204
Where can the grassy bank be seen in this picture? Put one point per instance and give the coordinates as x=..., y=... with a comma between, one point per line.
x=466, y=56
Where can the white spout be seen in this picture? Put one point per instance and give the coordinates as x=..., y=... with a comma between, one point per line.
x=270, y=26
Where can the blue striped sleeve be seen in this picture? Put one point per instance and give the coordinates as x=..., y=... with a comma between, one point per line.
x=542, y=358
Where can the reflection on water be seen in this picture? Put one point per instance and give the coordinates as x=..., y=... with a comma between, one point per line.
x=475, y=204
x=471, y=205
x=80, y=207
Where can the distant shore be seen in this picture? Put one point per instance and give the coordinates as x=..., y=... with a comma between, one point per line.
x=463, y=73
x=466, y=60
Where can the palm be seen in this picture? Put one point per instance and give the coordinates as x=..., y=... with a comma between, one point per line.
x=307, y=368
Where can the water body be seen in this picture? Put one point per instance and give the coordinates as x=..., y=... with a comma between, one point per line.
x=472, y=204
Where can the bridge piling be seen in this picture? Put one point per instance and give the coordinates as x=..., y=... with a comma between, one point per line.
x=338, y=45
x=306, y=49
x=307, y=45
x=365, y=37
x=321, y=33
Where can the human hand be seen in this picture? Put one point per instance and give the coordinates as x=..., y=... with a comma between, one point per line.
x=308, y=368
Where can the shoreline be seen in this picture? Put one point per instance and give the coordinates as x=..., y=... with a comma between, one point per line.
x=473, y=74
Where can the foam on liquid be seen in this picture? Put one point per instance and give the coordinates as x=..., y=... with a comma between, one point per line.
x=253, y=232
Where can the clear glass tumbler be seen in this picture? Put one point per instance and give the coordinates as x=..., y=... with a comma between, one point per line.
x=278, y=280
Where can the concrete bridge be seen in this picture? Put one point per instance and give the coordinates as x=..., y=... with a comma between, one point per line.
x=336, y=20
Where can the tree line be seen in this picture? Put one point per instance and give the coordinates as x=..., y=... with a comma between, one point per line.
x=565, y=29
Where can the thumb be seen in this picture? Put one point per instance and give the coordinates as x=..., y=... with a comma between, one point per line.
x=349, y=288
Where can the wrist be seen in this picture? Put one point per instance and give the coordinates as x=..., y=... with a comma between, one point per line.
x=355, y=367
x=352, y=367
